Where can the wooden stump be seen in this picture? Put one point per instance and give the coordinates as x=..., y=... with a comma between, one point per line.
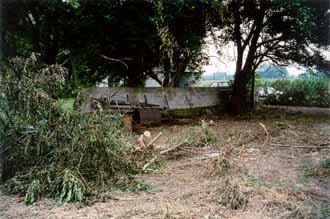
x=128, y=124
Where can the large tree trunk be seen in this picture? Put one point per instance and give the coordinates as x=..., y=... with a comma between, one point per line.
x=238, y=102
x=135, y=79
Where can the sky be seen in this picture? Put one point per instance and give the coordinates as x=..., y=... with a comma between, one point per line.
x=226, y=62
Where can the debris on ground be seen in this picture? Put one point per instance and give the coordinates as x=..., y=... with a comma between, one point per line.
x=271, y=182
x=230, y=195
x=287, y=210
x=220, y=166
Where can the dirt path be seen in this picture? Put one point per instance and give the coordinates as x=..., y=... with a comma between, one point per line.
x=272, y=176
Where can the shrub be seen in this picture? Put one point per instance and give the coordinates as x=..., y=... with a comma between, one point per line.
x=311, y=91
x=201, y=136
x=49, y=152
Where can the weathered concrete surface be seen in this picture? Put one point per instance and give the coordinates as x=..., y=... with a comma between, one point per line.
x=165, y=98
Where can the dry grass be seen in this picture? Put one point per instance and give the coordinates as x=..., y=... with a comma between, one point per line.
x=261, y=181
x=230, y=195
x=287, y=210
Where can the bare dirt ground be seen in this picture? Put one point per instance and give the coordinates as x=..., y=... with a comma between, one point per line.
x=271, y=174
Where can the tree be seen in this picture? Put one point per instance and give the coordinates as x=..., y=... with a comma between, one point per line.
x=182, y=27
x=134, y=38
x=188, y=22
x=279, y=31
x=31, y=25
x=81, y=34
x=269, y=71
x=112, y=38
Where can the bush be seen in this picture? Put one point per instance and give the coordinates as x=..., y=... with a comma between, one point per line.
x=49, y=152
x=311, y=91
x=201, y=137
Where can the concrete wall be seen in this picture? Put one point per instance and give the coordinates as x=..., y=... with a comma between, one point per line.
x=166, y=98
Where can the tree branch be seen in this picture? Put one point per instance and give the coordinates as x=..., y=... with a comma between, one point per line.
x=115, y=60
x=238, y=36
x=247, y=40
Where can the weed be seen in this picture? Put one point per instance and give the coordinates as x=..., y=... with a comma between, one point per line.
x=33, y=192
x=321, y=169
x=230, y=195
x=325, y=213
x=201, y=137
x=220, y=167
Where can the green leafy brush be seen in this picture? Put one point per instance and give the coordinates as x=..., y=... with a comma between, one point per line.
x=65, y=155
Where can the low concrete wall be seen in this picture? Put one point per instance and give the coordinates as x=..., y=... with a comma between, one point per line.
x=166, y=98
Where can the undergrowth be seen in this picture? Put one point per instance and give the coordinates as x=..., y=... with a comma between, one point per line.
x=49, y=152
x=200, y=137
x=309, y=91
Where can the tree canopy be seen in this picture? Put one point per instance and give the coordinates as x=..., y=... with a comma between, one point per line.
x=121, y=40
x=126, y=40
x=278, y=31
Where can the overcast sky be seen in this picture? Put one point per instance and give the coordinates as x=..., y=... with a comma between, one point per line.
x=226, y=62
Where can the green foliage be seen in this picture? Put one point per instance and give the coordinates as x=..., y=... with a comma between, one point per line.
x=69, y=187
x=311, y=91
x=67, y=104
x=325, y=212
x=33, y=192
x=65, y=155
x=325, y=163
x=321, y=169
x=78, y=33
x=201, y=137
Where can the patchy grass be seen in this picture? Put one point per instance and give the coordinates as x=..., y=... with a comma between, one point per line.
x=201, y=137
x=321, y=169
x=325, y=212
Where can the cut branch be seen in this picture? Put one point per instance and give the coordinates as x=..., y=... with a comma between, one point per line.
x=266, y=133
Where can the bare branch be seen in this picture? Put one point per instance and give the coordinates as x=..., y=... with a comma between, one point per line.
x=115, y=60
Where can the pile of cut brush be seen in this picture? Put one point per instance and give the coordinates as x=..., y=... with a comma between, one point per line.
x=47, y=152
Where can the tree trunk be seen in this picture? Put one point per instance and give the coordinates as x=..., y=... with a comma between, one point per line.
x=135, y=79
x=238, y=100
x=252, y=90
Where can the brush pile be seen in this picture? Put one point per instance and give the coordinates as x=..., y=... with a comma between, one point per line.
x=49, y=152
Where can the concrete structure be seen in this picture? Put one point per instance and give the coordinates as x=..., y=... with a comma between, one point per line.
x=164, y=98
